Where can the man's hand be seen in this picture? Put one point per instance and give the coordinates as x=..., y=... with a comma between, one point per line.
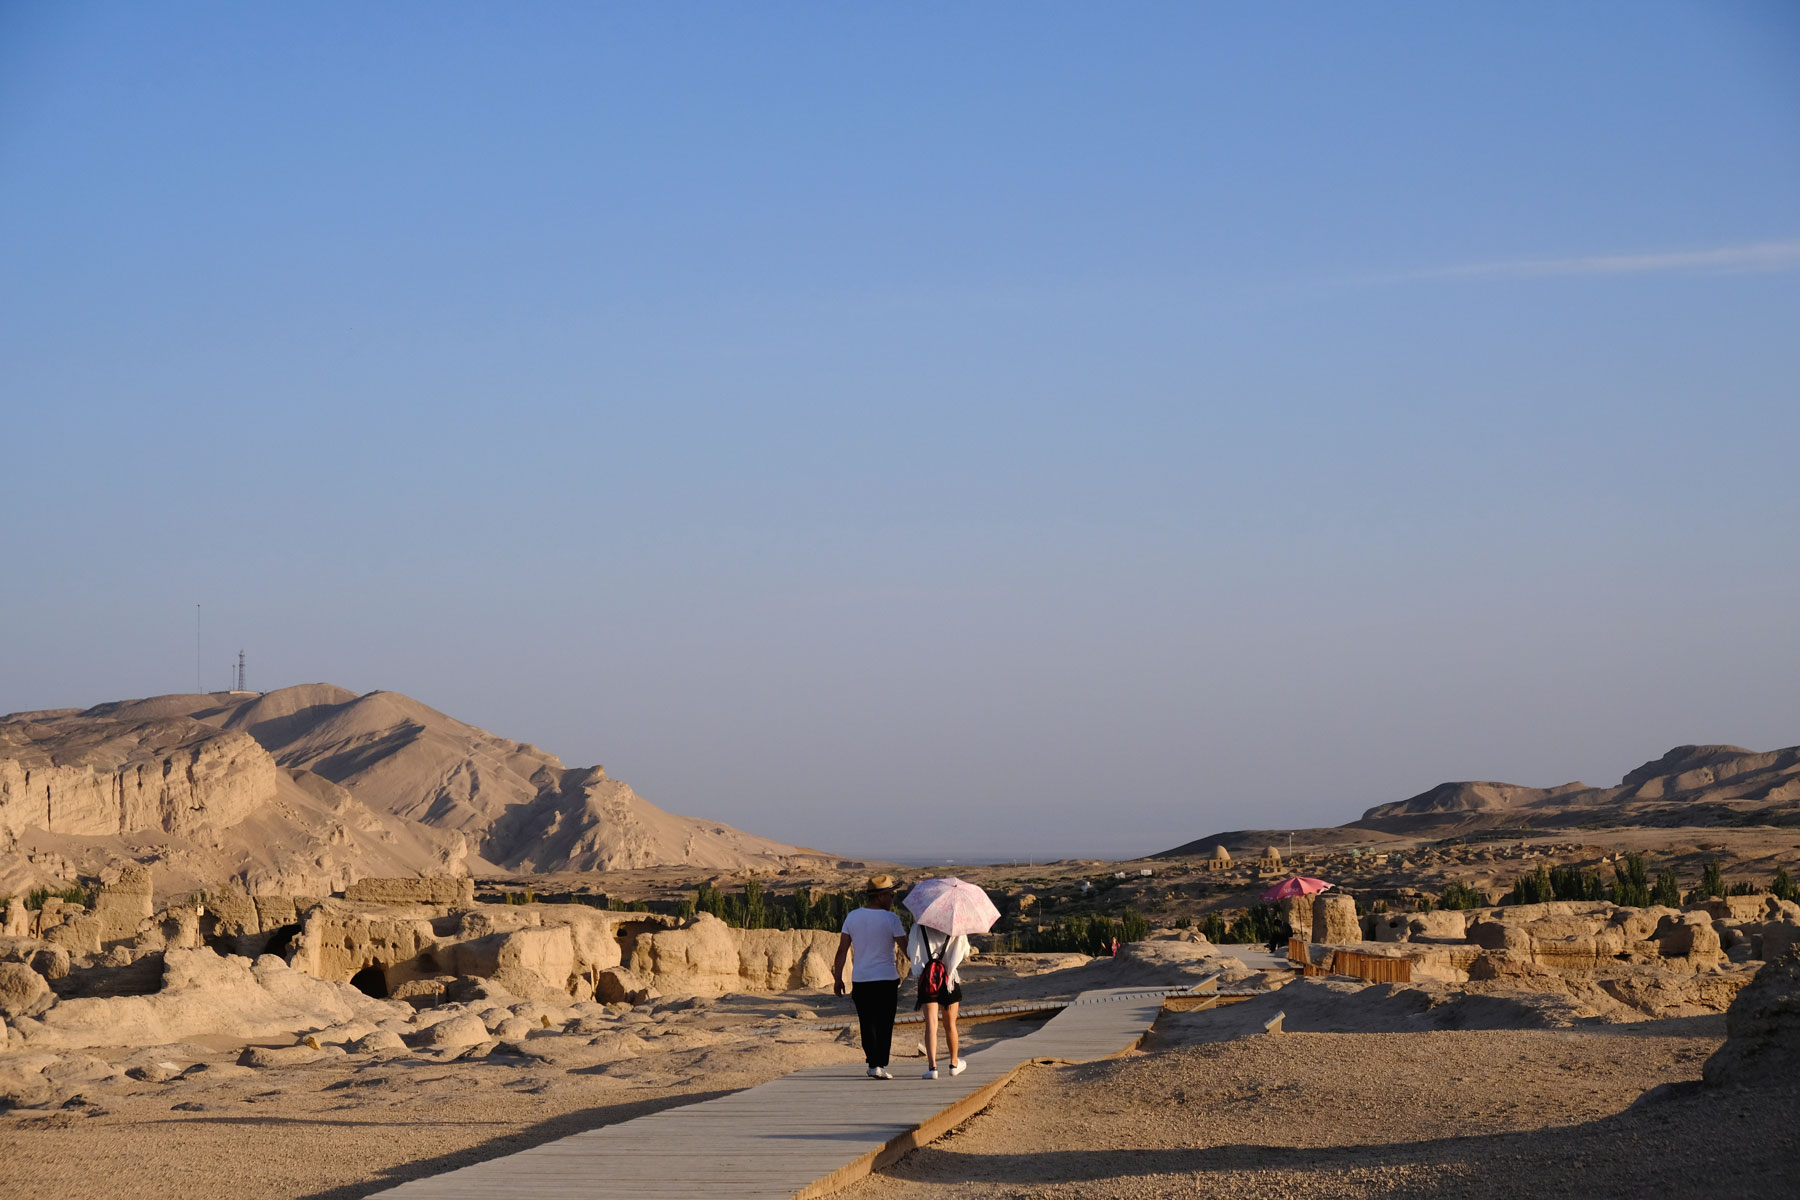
x=837, y=966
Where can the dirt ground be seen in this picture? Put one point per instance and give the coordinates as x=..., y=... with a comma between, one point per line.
x=1373, y=1091
x=1474, y=1113
x=346, y=1127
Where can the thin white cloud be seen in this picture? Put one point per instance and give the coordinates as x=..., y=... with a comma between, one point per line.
x=1759, y=256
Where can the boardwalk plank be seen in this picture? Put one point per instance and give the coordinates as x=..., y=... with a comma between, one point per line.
x=804, y=1134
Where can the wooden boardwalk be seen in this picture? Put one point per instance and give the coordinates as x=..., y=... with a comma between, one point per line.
x=803, y=1135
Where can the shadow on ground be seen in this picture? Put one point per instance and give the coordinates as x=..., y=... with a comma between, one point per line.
x=1678, y=1141
x=562, y=1126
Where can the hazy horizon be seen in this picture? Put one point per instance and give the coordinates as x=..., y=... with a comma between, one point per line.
x=888, y=430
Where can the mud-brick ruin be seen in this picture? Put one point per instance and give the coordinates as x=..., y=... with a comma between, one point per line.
x=72, y=973
x=1697, y=956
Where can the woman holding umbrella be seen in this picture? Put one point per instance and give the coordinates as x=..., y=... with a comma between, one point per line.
x=945, y=912
x=1294, y=887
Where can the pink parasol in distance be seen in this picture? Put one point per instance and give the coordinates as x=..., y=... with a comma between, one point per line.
x=1295, y=885
x=951, y=905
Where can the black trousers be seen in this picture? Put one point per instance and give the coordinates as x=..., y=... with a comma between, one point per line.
x=876, y=1001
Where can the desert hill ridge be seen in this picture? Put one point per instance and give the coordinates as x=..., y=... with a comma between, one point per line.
x=303, y=789
x=1694, y=785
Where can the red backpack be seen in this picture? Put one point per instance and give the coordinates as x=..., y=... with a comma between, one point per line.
x=937, y=975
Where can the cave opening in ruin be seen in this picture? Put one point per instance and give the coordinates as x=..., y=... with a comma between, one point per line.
x=371, y=981
x=280, y=940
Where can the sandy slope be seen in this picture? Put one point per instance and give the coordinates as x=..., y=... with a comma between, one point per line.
x=1493, y=1113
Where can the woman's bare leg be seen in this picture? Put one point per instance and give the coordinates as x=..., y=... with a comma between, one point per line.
x=931, y=1022
x=950, y=1031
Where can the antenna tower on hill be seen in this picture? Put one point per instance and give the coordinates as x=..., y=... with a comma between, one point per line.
x=240, y=671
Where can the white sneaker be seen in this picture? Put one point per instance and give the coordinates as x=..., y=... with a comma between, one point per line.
x=882, y=1073
x=959, y=1066
x=930, y=1073
x=874, y=1072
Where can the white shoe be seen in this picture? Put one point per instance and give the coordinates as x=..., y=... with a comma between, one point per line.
x=930, y=1073
x=959, y=1066
x=874, y=1072
x=882, y=1073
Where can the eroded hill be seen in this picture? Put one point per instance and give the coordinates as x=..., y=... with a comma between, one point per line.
x=1689, y=787
x=304, y=789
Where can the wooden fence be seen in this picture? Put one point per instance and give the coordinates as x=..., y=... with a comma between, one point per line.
x=1376, y=968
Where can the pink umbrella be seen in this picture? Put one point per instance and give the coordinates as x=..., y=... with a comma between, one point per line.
x=953, y=906
x=1295, y=885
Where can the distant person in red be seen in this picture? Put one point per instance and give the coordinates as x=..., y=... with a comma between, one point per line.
x=871, y=938
x=1115, y=947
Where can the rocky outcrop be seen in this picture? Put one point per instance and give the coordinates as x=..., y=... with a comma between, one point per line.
x=708, y=958
x=1334, y=919
x=17, y=921
x=618, y=985
x=1439, y=926
x=1762, y=1042
x=337, y=942
x=23, y=992
x=93, y=776
x=546, y=951
x=205, y=995
x=50, y=961
x=1570, y=935
x=537, y=951
x=312, y=789
x=428, y=889
x=595, y=823
x=1297, y=912
x=1656, y=961
x=120, y=907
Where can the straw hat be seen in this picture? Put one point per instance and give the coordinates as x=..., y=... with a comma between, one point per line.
x=881, y=883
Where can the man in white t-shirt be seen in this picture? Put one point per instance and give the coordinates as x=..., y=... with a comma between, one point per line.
x=871, y=937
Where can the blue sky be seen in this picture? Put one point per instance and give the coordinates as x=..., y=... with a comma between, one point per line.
x=962, y=429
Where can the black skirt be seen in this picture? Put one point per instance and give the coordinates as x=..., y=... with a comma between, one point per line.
x=941, y=996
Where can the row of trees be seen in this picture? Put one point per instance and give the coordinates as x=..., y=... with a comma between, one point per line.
x=1256, y=925
x=1458, y=896
x=35, y=898
x=756, y=908
x=1631, y=885
x=1078, y=935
